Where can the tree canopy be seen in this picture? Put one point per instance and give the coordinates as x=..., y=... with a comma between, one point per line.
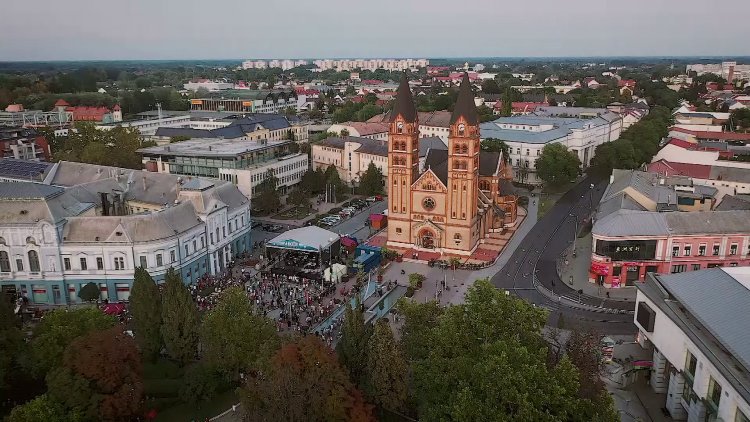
x=268, y=197
x=304, y=382
x=115, y=147
x=180, y=319
x=58, y=329
x=100, y=377
x=487, y=361
x=352, y=346
x=145, y=307
x=387, y=369
x=557, y=164
x=371, y=181
x=234, y=337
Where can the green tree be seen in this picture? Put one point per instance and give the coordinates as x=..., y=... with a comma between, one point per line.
x=180, y=319
x=387, y=369
x=41, y=408
x=313, y=181
x=419, y=320
x=490, y=86
x=268, y=196
x=371, y=182
x=333, y=180
x=352, y=346
x=496, y=145
x=234, y=337
x=100, y=377
x=89, y=292
x=488, y=361
x=304, y=382
x=178, y=138
x=299, y=197
x=11, y=341
x=202, y=382
x=557, y=165
x=57, y=330
x=145, y=307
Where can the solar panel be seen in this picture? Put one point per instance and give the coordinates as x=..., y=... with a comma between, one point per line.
x=22, y=168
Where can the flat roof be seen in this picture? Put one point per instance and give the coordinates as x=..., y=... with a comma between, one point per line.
x=710, y=307
x=211, y=147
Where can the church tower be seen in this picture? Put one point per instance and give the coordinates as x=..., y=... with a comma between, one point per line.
x=403, y=163
x=463, y=172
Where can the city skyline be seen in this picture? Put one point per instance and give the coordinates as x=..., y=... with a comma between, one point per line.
x=336, y=29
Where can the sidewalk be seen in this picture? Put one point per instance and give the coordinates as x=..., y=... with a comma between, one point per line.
x=574, y=271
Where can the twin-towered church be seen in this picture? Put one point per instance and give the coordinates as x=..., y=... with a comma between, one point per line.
x=460, y=196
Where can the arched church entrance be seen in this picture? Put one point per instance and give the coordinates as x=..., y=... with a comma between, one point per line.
x=426, y=239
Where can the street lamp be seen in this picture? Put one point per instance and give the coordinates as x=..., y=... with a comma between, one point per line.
x=575, y=233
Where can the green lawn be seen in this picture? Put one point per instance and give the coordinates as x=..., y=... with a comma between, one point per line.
x=192, y=412
x=546, y=202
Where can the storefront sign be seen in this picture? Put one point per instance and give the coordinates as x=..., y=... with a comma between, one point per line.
x=615, y=282
x=599, y=269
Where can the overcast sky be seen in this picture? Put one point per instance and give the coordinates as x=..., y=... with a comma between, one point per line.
x=239, y=29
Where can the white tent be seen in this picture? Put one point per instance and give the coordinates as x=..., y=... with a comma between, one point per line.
x=334, y=272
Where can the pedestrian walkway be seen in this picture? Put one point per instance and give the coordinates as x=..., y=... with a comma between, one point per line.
x=574, y=271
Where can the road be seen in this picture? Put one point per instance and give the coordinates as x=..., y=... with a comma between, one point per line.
x=537, y=254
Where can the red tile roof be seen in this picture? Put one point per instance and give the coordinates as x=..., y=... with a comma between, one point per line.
x=630, y=83
x=61, y=103
x=668, y=168
x=723, y=136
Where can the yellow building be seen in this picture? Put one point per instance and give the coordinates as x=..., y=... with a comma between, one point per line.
x=459, y=198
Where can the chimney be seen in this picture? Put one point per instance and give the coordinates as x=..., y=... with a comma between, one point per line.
x=105, y=203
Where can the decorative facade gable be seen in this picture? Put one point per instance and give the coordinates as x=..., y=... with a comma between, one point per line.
x=428, y=181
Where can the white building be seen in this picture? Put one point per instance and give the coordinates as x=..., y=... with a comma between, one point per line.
x=352, y=155
x=730, y=71
x=211, y=86
x=696, y=324
x=95, y=224
x=581, y=130
x=284, y=64
x=370, y=64
x=433, y=123
x=370, y=130
x=243, y=161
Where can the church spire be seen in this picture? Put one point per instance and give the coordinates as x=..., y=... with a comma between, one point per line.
x=404, y=103
x=465, y=106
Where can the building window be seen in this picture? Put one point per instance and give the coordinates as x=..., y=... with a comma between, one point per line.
x=187, y=250
x=398, y=230
x=19, y=264
x=679, y=269
x=4, y=262
x=428, y=204
x=217, y=235
x=733, y=249
x=171, y=256
x=99, y=263
x=716, y=250
x=702, y=250
x=195, y=245
x=66, y=264
x=212, y=238
x=33, y=261
x=84, y=264
x=714, y=394
x=159, y=260
x=675, y=251
x=119, y=263
x=687, y=250
x=696, y=267
x=144, y=262
x=223, y=231
x=691, y=362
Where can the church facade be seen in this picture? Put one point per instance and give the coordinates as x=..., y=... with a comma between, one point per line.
x=459, y=197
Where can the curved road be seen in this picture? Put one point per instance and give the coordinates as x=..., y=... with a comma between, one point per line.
x=538, y=253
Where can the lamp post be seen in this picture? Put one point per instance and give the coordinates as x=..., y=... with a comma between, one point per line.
x=575, y=232
x=591, y=195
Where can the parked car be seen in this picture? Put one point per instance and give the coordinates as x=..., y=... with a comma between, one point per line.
x=255, y=224
x=371, y=200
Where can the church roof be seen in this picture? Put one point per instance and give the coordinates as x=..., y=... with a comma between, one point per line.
x=404, y=104
x=465, y=105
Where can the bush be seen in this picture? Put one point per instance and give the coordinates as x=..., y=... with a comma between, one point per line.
x=335, y=211
x=162, y=368
x=416, y=280
x=409, y=291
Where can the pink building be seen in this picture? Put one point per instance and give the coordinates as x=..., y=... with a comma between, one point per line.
x=628, y=243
